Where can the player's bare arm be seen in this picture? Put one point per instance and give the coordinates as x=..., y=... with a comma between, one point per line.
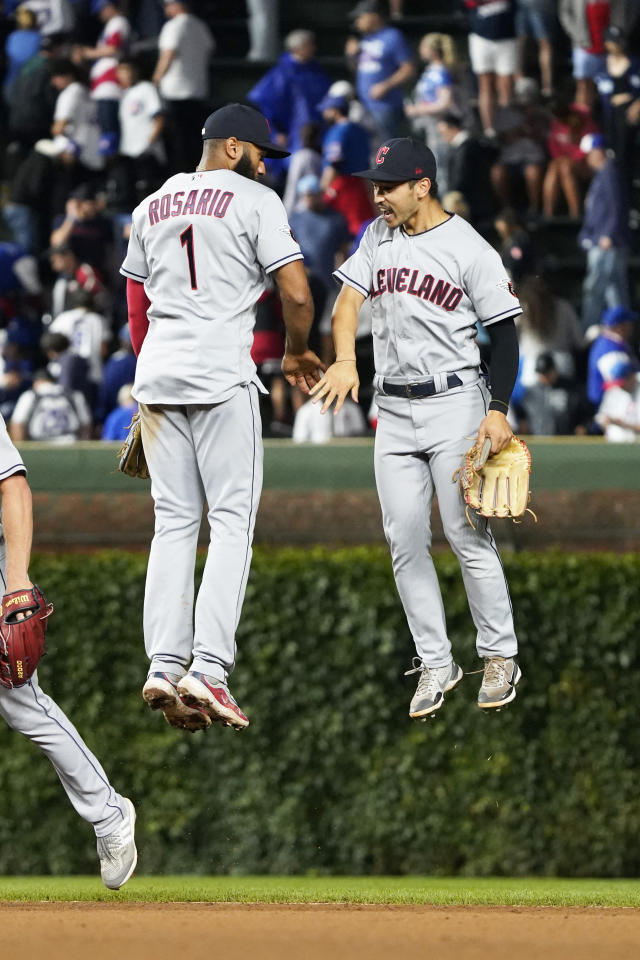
x=342, y=376
x=300, y=366
x=17, y=524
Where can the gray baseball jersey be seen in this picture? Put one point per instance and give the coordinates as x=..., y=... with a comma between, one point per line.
x=427, y=291
x=32, y=713
x=202, y=245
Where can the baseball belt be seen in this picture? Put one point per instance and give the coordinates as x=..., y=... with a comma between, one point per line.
x=425, y=388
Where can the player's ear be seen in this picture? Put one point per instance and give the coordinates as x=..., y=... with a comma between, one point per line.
x=232, y=146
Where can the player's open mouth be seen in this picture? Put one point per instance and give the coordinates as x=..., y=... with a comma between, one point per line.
x=388, y=215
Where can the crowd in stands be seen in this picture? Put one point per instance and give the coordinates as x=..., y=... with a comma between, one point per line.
x=532, y=111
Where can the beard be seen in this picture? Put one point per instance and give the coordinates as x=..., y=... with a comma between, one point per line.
x=245, y=167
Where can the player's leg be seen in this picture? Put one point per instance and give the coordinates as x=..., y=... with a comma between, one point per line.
x=229, y=451
x=168, y=600
x=32, y=713
x=594, y=287
x=452, y=419
x=405, y=489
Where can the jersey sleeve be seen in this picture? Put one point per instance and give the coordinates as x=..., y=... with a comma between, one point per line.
x=135, y=264
x=276, y=244
x=357, y=271
x=10, y=460
x=67, y=103
x=490, y=289
x=169, y=38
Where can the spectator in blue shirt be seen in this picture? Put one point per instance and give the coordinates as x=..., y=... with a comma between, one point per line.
x=604, y=234
x=118, y=422
x=619, y=89
x=610, y=348
x=118, y=370
x=21, y=44
x=322, y=234
x=345, y=146
x=288, y=94
x=383, y=63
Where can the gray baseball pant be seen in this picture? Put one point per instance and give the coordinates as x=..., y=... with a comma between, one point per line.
x=419, y=445
x=198, y=453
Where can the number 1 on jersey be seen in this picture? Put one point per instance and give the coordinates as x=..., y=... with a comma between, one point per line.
x=186, y=239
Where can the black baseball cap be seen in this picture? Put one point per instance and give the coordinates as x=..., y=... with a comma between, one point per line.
x=401, y=159
x=245, y=123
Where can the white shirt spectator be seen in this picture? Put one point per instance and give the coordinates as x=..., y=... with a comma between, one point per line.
x=618, y=404
x=312, y=426
x=139, y=105
x=75, y=107
x=188, y=75
x=103, y=79
x=52, y=16
x=87, y=332
x=49, y=413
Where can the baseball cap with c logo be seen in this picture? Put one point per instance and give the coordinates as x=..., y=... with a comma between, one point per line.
x=401, y=159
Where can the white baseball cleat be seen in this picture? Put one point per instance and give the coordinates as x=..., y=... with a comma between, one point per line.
x=434, y=682
x=501, y=674
x=117, y=851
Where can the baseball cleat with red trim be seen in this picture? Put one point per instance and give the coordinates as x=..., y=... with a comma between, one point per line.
x=212, y=695
x=160, y=693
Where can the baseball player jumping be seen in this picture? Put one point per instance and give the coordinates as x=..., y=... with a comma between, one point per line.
x=198, y=254
x=29, y=710
x=430, y=277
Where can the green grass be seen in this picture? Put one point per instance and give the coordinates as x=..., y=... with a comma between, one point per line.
x=533, y=891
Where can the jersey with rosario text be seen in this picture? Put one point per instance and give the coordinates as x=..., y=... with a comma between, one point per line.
x=202, y=245
x=427, y=292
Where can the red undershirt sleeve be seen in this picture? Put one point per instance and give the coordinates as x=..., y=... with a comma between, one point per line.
x=137, y=303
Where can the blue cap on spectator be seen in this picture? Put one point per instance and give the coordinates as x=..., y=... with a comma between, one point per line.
x=334, y=103
x=308, y=184
x=592, y=141
x=98, y=5
x=614, y=315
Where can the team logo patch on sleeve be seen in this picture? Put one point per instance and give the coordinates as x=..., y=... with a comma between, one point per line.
x=507, y=285
x=288, y=232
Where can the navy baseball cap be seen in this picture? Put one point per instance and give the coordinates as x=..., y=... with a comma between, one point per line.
x=366, y=6
x=401, y=159
x=614, y=315
x=245, y=123
x=334, y=103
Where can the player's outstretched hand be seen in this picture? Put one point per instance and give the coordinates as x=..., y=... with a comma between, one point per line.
x=496, y=426
x=302, y=369
x=340, y=379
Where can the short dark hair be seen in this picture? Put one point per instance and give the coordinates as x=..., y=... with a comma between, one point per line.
x=63, y=67
x=451, y=120
x=433, y=188
x=54, y=341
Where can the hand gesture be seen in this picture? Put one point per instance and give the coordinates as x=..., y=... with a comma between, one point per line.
x=302, y=369
x=340, y=379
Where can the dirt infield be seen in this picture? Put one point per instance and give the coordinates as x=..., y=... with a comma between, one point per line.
x=73, y=931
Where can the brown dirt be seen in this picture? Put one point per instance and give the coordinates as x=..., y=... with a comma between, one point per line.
x=313, y=932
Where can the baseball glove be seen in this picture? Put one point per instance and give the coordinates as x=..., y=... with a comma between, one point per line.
x=498, y=485
x=22, y=639
x=131, y=458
